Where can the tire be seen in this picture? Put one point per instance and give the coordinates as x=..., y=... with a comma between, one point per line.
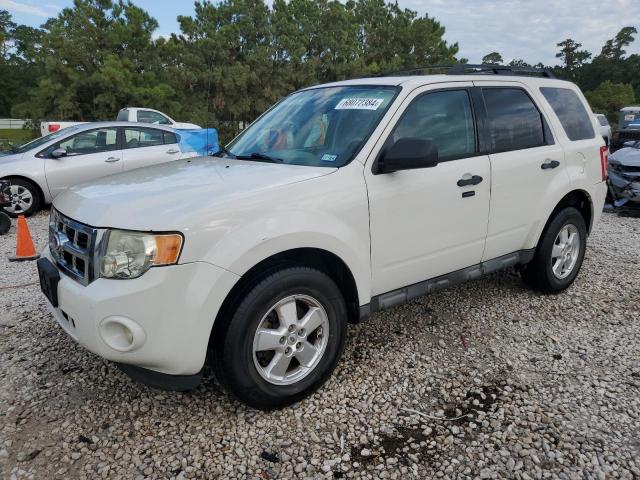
x=539, y=274
x=246, y=374
x=5, y=223
x=30, y=194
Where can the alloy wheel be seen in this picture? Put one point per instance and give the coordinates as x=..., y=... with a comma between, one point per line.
x=290, y=339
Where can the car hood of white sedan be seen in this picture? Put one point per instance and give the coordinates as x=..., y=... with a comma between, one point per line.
x=8, y=157
x=174, y=195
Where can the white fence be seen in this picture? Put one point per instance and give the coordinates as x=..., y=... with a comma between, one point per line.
x=11, y=123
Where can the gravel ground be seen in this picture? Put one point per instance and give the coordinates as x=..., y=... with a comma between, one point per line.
x=546, y=387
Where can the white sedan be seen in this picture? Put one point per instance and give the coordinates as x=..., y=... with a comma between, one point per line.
x=45, y=167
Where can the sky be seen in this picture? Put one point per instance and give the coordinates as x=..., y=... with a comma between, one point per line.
x=522, y=29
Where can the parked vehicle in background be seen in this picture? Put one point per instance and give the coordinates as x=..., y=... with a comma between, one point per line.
x=624, y=175
x=138, y=115
x=148, y=115
x=51, y=127
x=43, y=168
x=604, y=127
x=631, y=133
x=341, y=200
x=628, y=115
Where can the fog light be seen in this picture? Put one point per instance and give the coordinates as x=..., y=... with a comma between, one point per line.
x=122, y=334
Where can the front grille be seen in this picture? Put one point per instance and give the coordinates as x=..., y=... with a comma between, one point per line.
x=72, y=245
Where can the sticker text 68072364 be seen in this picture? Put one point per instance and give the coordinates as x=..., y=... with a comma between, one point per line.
x=359, y=103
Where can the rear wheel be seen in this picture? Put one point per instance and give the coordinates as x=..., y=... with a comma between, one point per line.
x=559, y=254
x=24, y=198
x=284, y=339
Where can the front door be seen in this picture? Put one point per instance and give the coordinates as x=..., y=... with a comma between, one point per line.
x=89, y=155
x=430, y=221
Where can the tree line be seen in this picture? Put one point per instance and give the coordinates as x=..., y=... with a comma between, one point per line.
x=231, y=60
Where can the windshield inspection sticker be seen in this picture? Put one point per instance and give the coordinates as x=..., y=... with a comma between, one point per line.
x=359, y=104
x=329, y=158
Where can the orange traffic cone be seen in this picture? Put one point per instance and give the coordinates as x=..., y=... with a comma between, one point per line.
x=25, y=250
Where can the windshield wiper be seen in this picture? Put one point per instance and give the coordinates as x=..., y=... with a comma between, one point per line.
x=260, y=156
x=223, y=150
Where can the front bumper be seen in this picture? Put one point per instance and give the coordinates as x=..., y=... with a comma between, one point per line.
x=625, y=187
x=168, y=313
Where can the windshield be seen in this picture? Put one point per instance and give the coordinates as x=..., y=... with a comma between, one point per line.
x=319, y=127
x=25, y=147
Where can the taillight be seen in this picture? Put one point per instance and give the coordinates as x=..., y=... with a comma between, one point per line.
x=53, y=127
x=604, y=162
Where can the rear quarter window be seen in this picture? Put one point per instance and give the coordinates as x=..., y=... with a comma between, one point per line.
x=570, y=110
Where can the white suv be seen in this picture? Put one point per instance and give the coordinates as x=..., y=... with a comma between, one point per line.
x=341, y=200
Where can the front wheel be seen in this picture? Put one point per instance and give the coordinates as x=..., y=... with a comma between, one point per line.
x=559, y=254
x=24, y=198
x=284, y=340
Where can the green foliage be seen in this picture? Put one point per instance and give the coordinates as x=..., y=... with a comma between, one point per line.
x=610, y=97
x=234, y=58
x=229, y=63
x=10, y=137
x=493, y=58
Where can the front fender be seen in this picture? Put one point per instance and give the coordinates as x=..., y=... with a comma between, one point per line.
x=329, y=213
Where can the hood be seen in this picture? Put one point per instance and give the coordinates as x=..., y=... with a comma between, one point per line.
x=8, y=157
x=627, y=156
x=176, y=195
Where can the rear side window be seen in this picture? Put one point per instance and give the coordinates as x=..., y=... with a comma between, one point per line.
x=123, y=116
x=142, y=137
x=515, y=121
x=570, y=111
x=603, y=120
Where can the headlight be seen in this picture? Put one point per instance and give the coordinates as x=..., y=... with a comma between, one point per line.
x=130, y=254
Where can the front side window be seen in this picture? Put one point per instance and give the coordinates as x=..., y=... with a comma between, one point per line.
x=319, y=127
x=142, y=137
x=147, y=116
x=445, y=118
x=515, y=122
x=85, y=143
x=574, y=118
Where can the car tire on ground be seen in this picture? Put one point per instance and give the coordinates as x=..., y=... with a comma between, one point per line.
x=559, y=254
x=25, y=198
x=284, y=339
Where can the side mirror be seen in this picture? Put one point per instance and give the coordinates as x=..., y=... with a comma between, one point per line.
x=407, y=154
x=58, y=152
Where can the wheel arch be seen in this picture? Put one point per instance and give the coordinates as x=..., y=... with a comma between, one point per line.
x=317, y=258
x=579, y=199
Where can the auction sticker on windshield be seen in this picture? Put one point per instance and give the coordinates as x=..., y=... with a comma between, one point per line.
x=359, y=103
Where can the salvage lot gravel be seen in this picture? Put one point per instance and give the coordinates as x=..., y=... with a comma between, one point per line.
x=546, y=387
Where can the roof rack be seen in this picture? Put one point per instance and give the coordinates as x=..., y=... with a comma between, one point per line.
x=470, y=69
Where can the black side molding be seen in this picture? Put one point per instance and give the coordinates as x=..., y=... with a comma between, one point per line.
x=162, y=381
x=406, y=294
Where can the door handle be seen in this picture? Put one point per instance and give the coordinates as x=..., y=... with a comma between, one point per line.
x=548, y=163
x=112, y=159
x=172, y=151
x=468, y=180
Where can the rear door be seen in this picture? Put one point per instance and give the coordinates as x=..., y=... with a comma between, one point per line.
x=143, y=146
x=527, y=166
x=90, y=154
